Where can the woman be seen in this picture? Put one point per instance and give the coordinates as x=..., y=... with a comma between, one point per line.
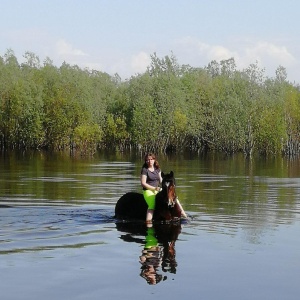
x=150, y=180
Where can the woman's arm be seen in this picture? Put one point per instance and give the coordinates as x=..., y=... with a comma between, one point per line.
x=160, y=178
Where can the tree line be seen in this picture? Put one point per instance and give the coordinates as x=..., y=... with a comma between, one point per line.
x=169, y=107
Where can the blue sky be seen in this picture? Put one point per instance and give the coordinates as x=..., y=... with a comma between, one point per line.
x=118, y=36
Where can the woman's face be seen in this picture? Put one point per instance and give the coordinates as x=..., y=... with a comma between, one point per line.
x=150, y=161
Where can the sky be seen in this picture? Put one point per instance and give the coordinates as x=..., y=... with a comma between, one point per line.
x=118, y=36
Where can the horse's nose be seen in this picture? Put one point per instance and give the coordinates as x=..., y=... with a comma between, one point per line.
x=171, y=203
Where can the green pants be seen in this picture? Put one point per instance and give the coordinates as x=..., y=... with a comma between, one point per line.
x=149, y=197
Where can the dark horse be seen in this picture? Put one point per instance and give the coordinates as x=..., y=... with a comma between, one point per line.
x=133, y=205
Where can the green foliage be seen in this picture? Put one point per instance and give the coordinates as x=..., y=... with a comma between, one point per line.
x=21, y=105
x=86, y=138
x=146, y=124
x=271, y=131
x=291, y=109
x=116, y=134
x=168, y=108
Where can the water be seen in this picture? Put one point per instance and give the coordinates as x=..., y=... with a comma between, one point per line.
x=59, y=238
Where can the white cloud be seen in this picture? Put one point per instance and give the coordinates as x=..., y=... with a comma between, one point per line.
x=245, y=52
x=194, y=50
x=65, y=49
x=219, y=53
x=140, y=62
x=268, y=51
x=126, y=65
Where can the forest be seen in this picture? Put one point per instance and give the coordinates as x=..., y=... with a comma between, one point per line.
x=168, y=108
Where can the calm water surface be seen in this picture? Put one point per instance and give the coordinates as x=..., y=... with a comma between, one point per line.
x=59, y=238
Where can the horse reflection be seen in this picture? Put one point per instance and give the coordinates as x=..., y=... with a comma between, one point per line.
x=158, y=255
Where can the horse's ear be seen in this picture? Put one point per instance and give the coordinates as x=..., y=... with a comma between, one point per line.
x=162, y=174
x=172, y=173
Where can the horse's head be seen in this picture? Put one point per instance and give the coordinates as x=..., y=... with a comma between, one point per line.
x=168, y=186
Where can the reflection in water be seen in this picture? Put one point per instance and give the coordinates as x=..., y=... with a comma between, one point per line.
x=158, y=254
x=151, y=259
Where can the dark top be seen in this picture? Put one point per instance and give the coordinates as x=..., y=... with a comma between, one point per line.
x=152, y=177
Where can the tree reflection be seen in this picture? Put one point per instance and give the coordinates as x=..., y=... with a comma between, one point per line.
x=158, y=255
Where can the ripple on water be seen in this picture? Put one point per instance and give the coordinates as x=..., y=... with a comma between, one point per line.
x=29, y=229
